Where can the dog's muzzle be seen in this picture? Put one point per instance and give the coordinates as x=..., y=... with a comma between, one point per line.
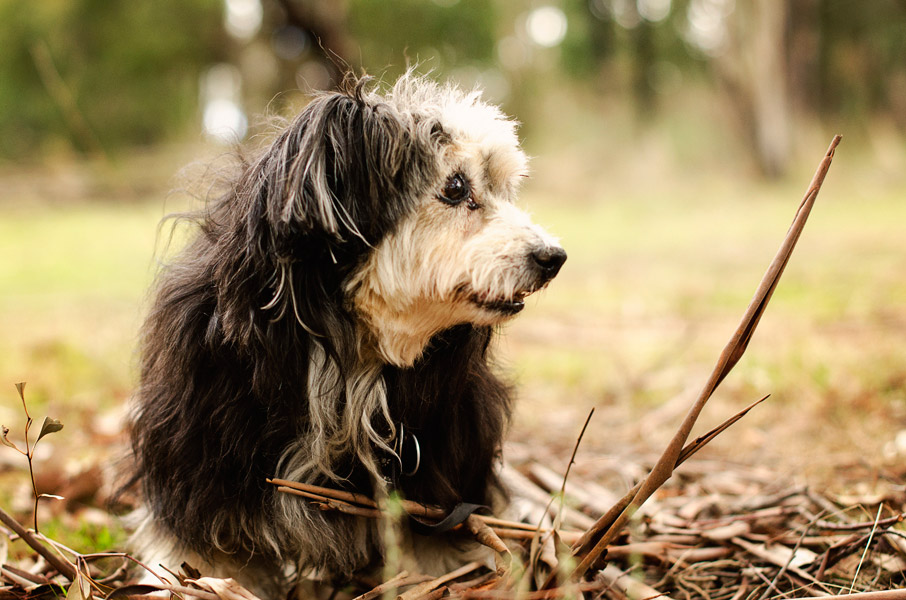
x=541, y=265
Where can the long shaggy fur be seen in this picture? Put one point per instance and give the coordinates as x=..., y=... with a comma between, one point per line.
x=297, y=333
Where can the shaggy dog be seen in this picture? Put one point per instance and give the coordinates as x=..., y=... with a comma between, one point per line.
x=330, y=324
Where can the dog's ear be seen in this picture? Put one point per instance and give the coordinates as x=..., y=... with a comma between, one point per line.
x=346, y=169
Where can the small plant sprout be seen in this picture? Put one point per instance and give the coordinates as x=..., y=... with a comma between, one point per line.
x=47, y=427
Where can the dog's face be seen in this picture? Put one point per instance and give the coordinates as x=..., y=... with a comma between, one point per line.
x=463, y=253
x=409, y=196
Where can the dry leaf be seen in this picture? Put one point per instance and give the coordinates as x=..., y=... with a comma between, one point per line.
x=79, y=589
x=226, y=589
x=719, y=534
x=49, y=426
x=4, y=440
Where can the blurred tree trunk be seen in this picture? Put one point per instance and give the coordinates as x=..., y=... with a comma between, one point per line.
x=644, y=55
x=302, y=46
x=755, y=71
x=325, y=22
x=806, y=33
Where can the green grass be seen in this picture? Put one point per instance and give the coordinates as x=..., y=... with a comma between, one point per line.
x=80, y=535
x=71, y=289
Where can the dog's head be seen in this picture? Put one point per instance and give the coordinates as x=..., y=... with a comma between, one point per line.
x=410, y=195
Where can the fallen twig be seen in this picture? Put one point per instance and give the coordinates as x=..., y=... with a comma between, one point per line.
x=350, y=497
x=525, y=535
x=153, y=590
x=630, y=586
x=759, y=552
x=572, y=459
x=823, y=524
x=699, y=442
x=865, y=551
x=773, y=585
x=583, y=544
x=66, y=569
x=899, y=594
x=401, y=580
x=567, y=591
x=609, y=527
x=486, y=530
x=424, y=589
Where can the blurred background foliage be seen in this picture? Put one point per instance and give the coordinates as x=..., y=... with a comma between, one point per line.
x=96, y=77
x=100, y=76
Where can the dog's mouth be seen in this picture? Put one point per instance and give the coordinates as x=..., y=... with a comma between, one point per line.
x=506, y=306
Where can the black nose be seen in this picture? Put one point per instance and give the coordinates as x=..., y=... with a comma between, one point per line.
x=549, y=259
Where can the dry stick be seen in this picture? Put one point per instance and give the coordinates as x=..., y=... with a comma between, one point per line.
x=762, y=554
x=479, y=582
x=426, y=588
x=826, y=505
x=413, y=508
x=325, y=503
x=731, y=354
x=20, y=577
x=478, y=525
x=417, y=509
x=742, y=590
x=879, y=595
x=783, y=569
x=699, y=442
x=584, y=543
x=64, y=568
x=402, y=579
x=314, y=491
x=537, y=544
x=330, y=499
x=851, y=540
x=528, y=535
x=867, y=546
x=503, y=523
x=822, y=524
x=484, y=534
x=329, y=492
x=567, y=591
x=572, y=458
x=187, y=591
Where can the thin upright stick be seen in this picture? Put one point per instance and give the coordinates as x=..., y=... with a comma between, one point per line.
x=607, y=528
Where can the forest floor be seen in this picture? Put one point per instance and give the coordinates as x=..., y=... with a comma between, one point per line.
x=659, y=273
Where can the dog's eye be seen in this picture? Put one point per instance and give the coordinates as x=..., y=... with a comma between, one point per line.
x=456, y=189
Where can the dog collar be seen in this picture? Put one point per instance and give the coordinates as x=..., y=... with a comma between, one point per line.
x=404, y=459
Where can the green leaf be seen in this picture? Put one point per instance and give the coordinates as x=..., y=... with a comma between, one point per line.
x=5, y=441
x=49, y=426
